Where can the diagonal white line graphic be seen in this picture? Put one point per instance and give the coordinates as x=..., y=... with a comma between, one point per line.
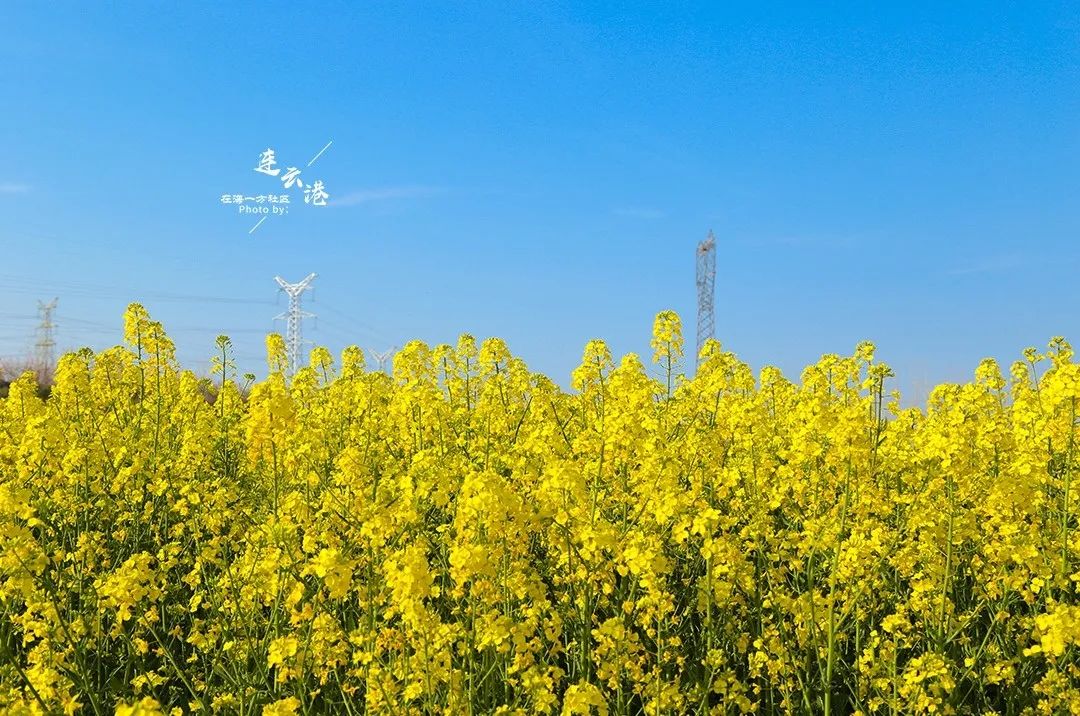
x=320, y=152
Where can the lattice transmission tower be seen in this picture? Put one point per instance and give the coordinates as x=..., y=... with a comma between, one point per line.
x=706, y=281
x=45, y=346
x=382, y=357
x=294, y=318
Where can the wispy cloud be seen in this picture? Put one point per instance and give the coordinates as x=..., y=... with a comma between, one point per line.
x=638, y=212
x=990, y=265
x=796, y=241
x=13, y=188
x=366, y=196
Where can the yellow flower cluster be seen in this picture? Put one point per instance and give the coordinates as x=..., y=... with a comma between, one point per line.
x=466, y=537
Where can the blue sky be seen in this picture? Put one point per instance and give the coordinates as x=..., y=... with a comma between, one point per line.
x=542, y=172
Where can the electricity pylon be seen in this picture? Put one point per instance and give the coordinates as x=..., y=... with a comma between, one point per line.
x=706, y=281
x=294, y=318
x=382, y=358
x=46, y=339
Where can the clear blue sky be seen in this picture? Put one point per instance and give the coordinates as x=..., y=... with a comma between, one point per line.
x=542, y=172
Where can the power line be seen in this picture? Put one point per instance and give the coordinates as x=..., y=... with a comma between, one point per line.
x=19, y=284
x=355, y=323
